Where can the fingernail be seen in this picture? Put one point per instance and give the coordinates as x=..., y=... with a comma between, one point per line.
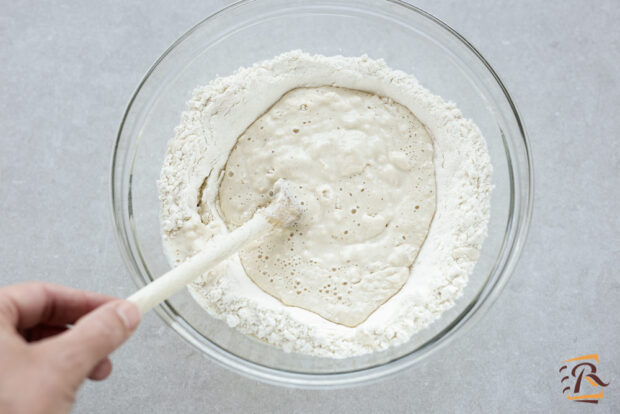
x=129, y=313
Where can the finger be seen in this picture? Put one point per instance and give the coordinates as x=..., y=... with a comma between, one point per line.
x=29, y=304
x=93, y=338
x=101, y=371
x=42, y=331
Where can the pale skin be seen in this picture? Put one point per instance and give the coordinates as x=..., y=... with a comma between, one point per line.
x=52, y=338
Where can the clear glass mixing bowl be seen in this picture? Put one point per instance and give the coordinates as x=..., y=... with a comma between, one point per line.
x=249, y=31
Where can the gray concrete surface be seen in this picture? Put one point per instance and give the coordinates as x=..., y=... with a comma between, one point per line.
x=67, y=70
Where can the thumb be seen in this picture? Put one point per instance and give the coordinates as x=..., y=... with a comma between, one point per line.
x=94, y=337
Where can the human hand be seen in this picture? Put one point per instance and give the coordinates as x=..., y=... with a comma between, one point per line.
x=42, y=361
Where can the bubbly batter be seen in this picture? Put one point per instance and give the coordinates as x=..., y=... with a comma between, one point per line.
x=362, y=168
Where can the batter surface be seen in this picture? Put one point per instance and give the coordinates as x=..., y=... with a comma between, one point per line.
x=362, y=168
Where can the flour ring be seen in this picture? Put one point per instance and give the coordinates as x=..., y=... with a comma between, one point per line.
x=221, y=111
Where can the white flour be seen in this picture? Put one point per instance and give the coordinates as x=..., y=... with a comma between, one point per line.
x=219, y=114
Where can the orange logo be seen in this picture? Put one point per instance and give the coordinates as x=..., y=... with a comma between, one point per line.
x=581, y=383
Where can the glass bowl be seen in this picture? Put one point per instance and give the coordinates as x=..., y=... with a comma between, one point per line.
x=249, y=31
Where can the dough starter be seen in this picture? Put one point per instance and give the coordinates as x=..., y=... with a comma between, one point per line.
x=362, y=169
x=394, y=183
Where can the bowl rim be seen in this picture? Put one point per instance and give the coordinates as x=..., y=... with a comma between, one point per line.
x=474, y=311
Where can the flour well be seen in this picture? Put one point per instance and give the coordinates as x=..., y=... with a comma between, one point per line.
x=388, y=136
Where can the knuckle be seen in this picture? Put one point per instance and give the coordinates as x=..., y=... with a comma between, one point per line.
x=109, y=327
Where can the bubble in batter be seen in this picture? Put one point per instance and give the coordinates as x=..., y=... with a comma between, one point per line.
x=362, y=168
